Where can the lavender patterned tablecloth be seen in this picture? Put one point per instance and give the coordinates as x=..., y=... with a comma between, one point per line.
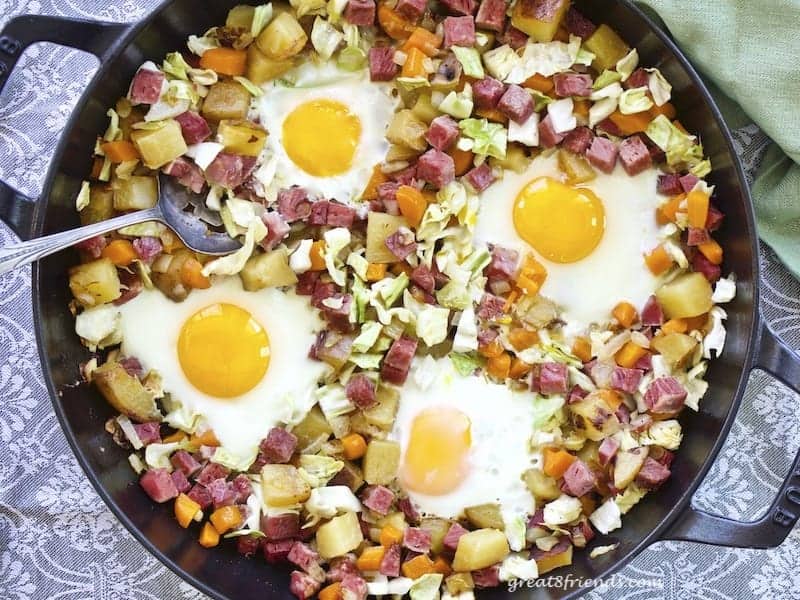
x=58, y=540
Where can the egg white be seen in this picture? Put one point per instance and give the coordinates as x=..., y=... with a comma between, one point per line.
x=151, y=325
x=501, y=428
x=586, y=290
x=373, y=103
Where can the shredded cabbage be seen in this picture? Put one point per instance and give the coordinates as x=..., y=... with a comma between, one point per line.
x=601, y=110
x=606, y=78
x=547, y=411
x=366, y=360
x=562, y=116
x=629, y=498
x=724, y=290
x=204, y=153
x=715, y=339
x=607, y=517
x=527, y=133
x=465, y=364
x=261, y=18
x=232, y=264
x=517, y=566
x=333, y=401
x=627, y=64
x=659, y=87
x=501, y=61
x=634, y=100
x=426, y=587
x=99, y=327
x=432, y=324
x=515, y=532
x=157, y=455
x=562, y=510
x=130, y=432
x=84, y=196
x=663, y=433
x=458, y=104
x=680, y=148
x=325, y=38
x=113, y=132
x=327, y=502
x=545, y=59
x=485, y=138
x=318, y=470
x=612, y=90
x=201, y=45
x=470, y=59
x=234, y=461
x=466, y=337
x=251, y=87
x=370, y=331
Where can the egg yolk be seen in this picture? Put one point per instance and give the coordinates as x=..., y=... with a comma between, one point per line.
x=562, y=223
x=435, y=460
x=321, y=137
x=223, y=351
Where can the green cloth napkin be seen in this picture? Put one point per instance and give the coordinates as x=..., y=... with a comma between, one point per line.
x=750, y=50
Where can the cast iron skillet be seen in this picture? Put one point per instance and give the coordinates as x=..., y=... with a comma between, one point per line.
x=221, y=573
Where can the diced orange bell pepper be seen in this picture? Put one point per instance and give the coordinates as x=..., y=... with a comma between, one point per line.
x=390, y=535
x=522, y=338
x=185, y=510
x=581, y=108
x=625, y=313
x=667, y=109
x=423, y=40
x=698, y=322
x=412, y=204
x=378, y=177
x=531, y=276
x=120, y=151
x=697, y=207
x=331, y=592
x=440, y=565
x=393, y=23
x=492, y=349
x=519, y=368
x=463, y=160
x=712, y=251
x=540, y=83
x=226, y=518
x=225, y=61
x=209, y=536
x=207, y=438
x=415, y=63
x=556, y=461
x=629, y=354
x=499, y=366
x=370, y=559
x=667, y=212
x=120, y=252
x=658, y=260
x=376, y=271
x=492, y=114
x=630, y=124
x=399, y=268
x=178, y=436
x=582, y=348
x=317, y=255
x=612, y=398
x=674, y=326
x=353, y=446
x=417, y=567
x=192, y=275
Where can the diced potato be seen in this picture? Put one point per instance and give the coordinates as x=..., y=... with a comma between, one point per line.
x=589, y=453
x=576, y=167
x=159, y=147
x=539, y=18
x=687, y=295
x=125, y=393
x=261, y=69
x=241, y=17
x=95, y=282
x=438, y=529
x=595, y=416
x=554, y=561
x=607, y=47
x=359, y=424
x=395, y=519
x=676, y=348
x=480, y=549
x=627, y=466
x=379, y=227
x=126, y=123
x=283, y=37
x=543, y=487
x=407, y=130
x=350, y=475
x=100, y=207
x=339, y=536
x=282, y=485
x=381, y=462
x=515, y=160
x=485, y=516
x=398, y=153
x=226, y=100
x=311, y=428
x=242, y=137
x=268, y=270
x=167, y=277
x=136, y=193
x=424, y=109
x=457, y=583
x=382, y=414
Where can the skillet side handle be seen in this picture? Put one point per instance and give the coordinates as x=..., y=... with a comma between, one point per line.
x=774, y=357
x=96, y=37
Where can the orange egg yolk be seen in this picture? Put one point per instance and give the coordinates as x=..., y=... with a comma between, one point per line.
x=436, y=459
x=223, y=351
x=562, y=223
x=321, y=137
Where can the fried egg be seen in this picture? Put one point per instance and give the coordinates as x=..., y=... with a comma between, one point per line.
x=464, y=442
x=326, y=130
x=237, y=359
x=591, y=238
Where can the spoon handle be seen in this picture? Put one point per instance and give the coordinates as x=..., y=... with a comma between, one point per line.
x=18, y=255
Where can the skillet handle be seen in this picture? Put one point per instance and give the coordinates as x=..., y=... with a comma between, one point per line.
x=774, y=357
x=98, y=38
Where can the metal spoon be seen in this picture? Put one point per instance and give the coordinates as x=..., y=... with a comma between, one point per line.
x=173, y=198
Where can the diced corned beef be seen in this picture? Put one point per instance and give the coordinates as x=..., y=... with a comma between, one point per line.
x=514, y=37
x=607, y=450
x=488, y=577
x=194, y=127
x=381, y=63
x=280, y=527
x=279, y=445
x=582, y=533
x=200, y=494
x=378, y=498
x=572, y=84
x=625, y=380
x=480, y=177
x=302, y=585
x=401, y=243
x=602, y=154
x=276, y=552
x=277, y=230
x=516, y=103
x=491, y=307
x=390, y=564
x=640, y=423
x=503, y=265
x=657, y=155
x=422, y=276
x=360, y=12
x=709, y=270
x=398, y=359
x=307, y=559
x=600, y=372
x=242, y=487
x=714, y=218
x=230, y=170
x=322, y=291
x=548, y=137
x=688, y=182
x=662, y=455
x=578, y=140
x=248, y=545
x=340, y=215
x=185, y=462
x=459, y=7
x=609, y=127
x=453, y=535
x=222, y=493
x=405, y=176
x=645, y=363
x=146, y=87
x=94, y=245
x=487, y=92
x=293, y=204
x=158, y=484
x=181, y=483
x=576, y=394
x=634, y=155
x=147, y=248
x=669, y=184
x=354, y=587
x=553, y=378
x=459, y=31
x=130, y=286
x=652, y=315
x=319, y=213
x=443, y=132
x=577, y=24
x=491, y=15
x=639, y=78
x=407, y=508
x=149, y=433
x=578, y=479
x=623, y=414
x=652, y=474
x=486, y=337
x=211, y=472
x=341, y=566
x=665, y=395
x=360, y=391
x=436, y=167
x=562, y=545
x=417, y=539
x=307, y=282
x=188, y=174
x=412, y=9
x=696, y=236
